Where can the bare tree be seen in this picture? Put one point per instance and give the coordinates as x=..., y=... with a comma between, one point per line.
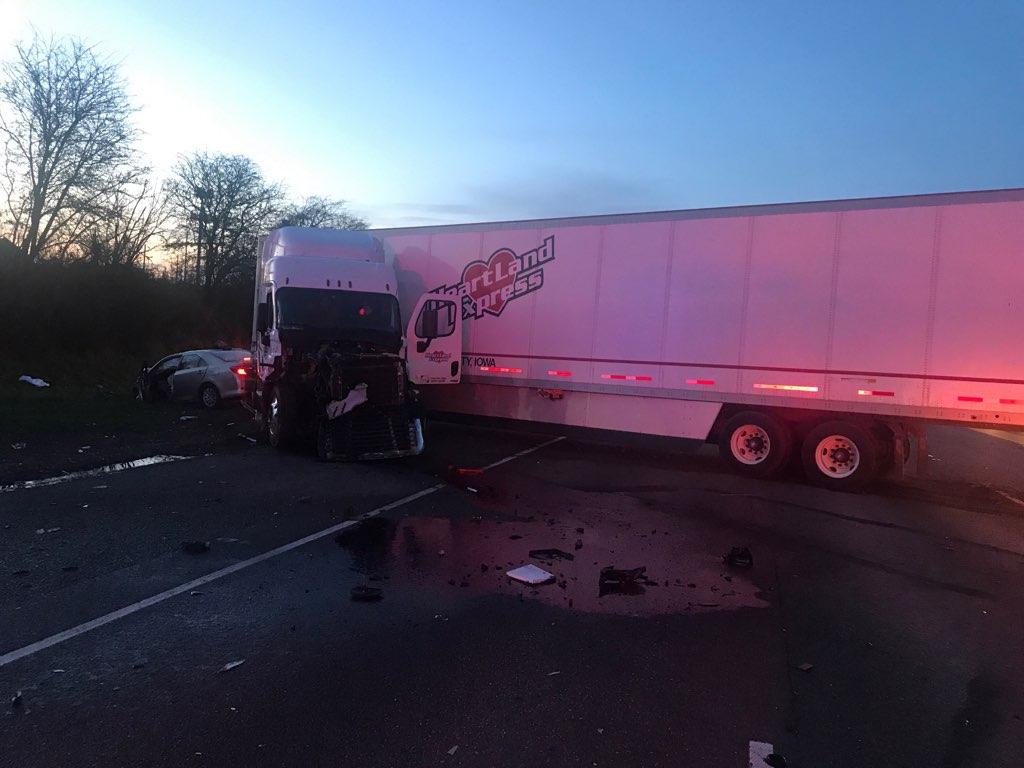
x=124, y=225
x=322, y=213
x=65, y=125
x=220, y=204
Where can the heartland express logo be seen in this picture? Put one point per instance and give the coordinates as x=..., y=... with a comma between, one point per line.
x=487, y=287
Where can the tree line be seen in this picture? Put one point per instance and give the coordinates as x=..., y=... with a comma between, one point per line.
x=75, y=187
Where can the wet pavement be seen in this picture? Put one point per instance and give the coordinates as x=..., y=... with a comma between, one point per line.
x=874, y=629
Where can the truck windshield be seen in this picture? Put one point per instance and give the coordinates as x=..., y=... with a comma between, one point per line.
x=337, y=311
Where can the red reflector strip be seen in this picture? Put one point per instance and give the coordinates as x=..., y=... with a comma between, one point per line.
x=1008, y=401
x=970, y=399
x=875, y=393
x=624, y=377
x=787, y=387
x=702, y=382
x=559, y=373
x=495, y=369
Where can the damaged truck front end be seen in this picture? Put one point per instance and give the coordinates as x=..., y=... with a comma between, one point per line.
x=366, y=407
x=333, y=368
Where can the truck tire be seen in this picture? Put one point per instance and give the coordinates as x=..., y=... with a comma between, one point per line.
x=280, y=418
x=756, y=444
x=841, y=455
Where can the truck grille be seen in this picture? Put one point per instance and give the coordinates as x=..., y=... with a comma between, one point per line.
x=384, y=382
x=371, y=431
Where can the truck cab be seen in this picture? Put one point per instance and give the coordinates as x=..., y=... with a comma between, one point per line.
x=333, y=361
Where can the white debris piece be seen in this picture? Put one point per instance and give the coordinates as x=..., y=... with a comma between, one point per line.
x=231, y=665
x=453, y=750
x=355, y=398
x=530, y=574
x=18, y=446
x=34, y=381
x=759, y=753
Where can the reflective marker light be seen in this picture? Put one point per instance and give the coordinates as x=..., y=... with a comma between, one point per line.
x=624, y=377
x=1009, y=401
x=970, y=399
x=787, y=387
x=702, y=382
x=559, y=373
x=495, y=369
x=875, y=393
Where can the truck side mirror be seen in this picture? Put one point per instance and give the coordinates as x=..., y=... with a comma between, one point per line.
x=261, y=317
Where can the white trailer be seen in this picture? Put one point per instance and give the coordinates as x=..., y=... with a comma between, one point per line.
x=831, y=328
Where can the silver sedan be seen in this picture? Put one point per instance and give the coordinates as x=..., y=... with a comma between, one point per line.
x=206, y=375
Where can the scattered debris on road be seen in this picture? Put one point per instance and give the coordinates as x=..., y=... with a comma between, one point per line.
x=530, y=574
x=34, y=381
x=47, y=530
x=453, y=750
x=556, y=672
x=806, y=667
x=618, y=581
x=775, y=760
x=364, y=594
x=187, y=418
x=739, y=557
x=231, y=665
x=550, y=554
x=195, y=547
x=18, y=446
x=246, y=437
x=16, y=701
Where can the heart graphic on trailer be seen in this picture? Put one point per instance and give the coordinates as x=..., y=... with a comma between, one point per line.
x=497, y=273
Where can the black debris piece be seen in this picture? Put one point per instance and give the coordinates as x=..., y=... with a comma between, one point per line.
x=195, y=547
x=579, y=530
x=578, y=545
x=739, y=557
x=69, y=568
x=16, y=701
x=775, y=760
x=550, y=554
x=618, y=581
x=364, y=594
x=515, y=537
x=483, y=567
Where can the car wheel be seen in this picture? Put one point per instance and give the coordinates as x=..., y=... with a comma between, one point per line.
x=841, y=456
x=209, y=396
x=756, y=444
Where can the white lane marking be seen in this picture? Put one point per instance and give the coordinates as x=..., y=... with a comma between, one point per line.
x=1014, y=499
x=134, y=464
x=128, y=610
x=759, y=751
x=1010, y=437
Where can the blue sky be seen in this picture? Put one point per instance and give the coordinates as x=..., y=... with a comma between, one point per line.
x=422, y=112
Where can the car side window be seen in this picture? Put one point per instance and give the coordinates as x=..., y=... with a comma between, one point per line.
x=169, y=364
x=189, y=361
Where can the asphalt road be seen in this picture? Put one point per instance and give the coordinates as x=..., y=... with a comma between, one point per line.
x=882, y=629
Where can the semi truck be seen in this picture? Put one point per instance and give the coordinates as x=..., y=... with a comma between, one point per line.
x=331, y=362
x=825, y=332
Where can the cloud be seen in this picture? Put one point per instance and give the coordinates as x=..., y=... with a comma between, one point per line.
x=568, y=193
x=551, y=194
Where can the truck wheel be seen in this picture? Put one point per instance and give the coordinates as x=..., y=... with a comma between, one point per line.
x=280, y=418
x=841, y=456
x=756, y=444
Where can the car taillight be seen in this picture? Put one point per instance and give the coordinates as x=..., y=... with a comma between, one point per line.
x=240, y=371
